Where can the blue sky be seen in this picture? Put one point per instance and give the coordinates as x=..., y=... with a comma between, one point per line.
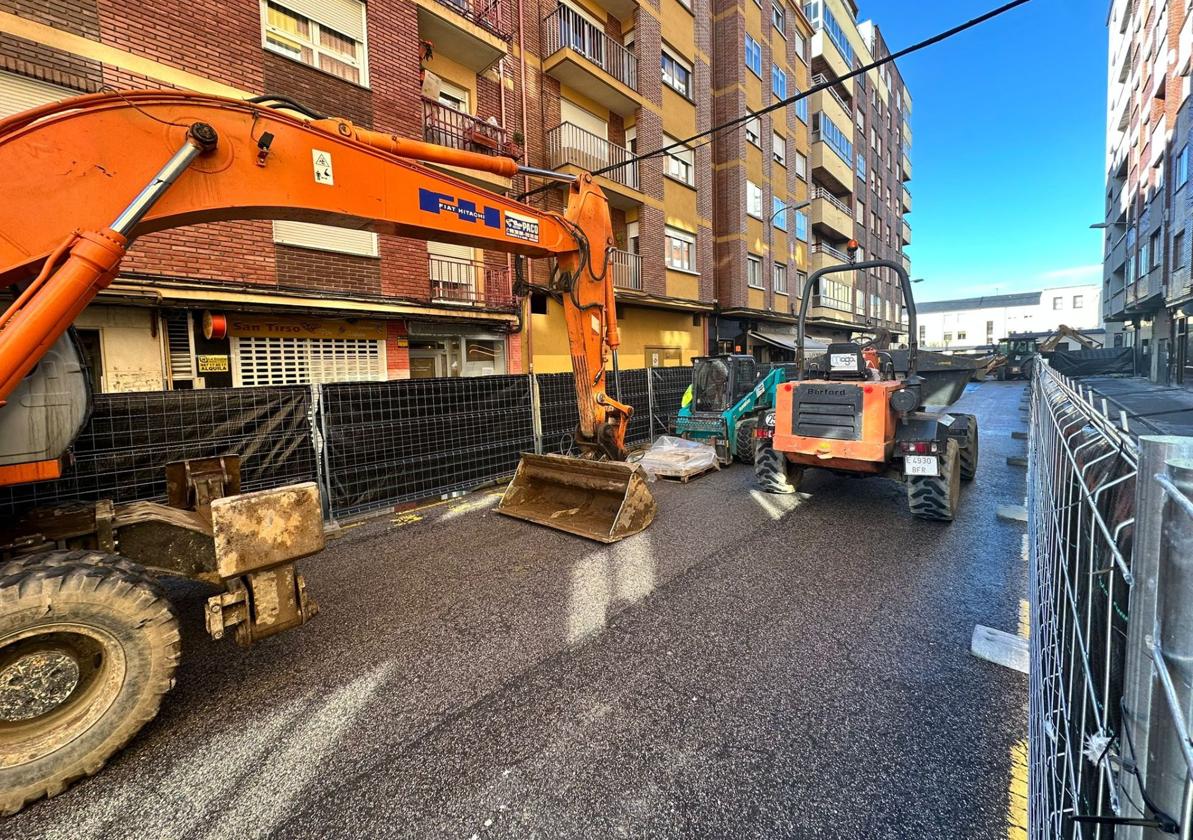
x=1008, y=142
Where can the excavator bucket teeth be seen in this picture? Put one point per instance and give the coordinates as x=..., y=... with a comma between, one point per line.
x=600, y=500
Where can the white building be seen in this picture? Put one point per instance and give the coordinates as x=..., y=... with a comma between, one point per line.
x=972, y=323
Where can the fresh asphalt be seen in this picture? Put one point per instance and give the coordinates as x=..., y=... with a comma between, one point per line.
x=750, y=666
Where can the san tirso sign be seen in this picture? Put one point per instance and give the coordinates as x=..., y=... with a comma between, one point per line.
x=297, y=326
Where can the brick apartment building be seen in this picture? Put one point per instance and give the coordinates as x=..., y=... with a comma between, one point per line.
x=1147, y=287
x=569, y=86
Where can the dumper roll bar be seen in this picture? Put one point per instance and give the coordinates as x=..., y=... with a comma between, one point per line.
x=905, y=282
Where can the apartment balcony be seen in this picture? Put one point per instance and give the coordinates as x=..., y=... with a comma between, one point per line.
x=474, y=33
x=627, y=269
x=830, y=103
x=586, y=59
x=574, y=150
x=906, y=132
x=905, y=234
x=835, y=92
x=906, y=200
x=469, y=283
x=822, y=255
x=445, y=126
x=905, y=168
x=906, y=260
x=831, y=214
x=830, y=167
x=828, y=61
x=1114, y=305
x=1146, y=294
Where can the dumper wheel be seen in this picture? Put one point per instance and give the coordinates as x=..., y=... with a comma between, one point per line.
x=745, y=440
x=935, y=496
x=88, y=646
x=967, y=441
x=771, y=469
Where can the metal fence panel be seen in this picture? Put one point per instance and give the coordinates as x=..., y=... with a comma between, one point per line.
x=668, y=385
x=1108, y=545
x=402, y=441
x=122, y=452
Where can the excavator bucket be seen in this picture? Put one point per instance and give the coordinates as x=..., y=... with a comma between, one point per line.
x=602, y=500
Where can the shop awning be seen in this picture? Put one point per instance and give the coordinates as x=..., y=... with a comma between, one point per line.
x=784, y=341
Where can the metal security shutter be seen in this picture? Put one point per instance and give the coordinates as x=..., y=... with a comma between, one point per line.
x=181, y=346
x=19, y=93
x=261, y=360
x=362, y=243
x=345, y=16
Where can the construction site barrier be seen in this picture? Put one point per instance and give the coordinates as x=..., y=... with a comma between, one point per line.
x=1111, y=601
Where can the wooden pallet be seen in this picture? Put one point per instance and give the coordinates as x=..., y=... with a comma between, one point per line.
x=685, y=478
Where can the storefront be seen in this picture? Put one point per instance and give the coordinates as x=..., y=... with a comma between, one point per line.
x=438, y=350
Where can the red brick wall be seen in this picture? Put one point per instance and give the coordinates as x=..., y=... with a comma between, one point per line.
x=326, y=271
x=397, y=352
x=79, y=17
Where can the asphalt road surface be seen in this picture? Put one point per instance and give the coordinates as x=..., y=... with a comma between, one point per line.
x=750, y=666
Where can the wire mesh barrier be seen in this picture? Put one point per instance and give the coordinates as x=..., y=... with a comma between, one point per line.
x=122, y=452
x=392, y=442
x=667, y=387
x=1111, y=599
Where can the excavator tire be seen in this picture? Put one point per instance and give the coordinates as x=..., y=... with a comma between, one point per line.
x=771, y=470
x=935, y=496
x=744, y=449
x=968, y=446
x=88, y=647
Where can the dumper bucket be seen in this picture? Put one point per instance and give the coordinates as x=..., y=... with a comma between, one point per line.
x=601, y=500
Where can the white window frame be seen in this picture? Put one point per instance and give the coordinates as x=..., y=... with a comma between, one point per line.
x=686, y=91
x=778, y=216
x=778, y=17
x=777, y=73
x=753, y=55
x=801, y=165
x=754, y=271
x=753, y=199
x=680, y=163
x=754, y=131
x=675, y=234
x=309, y=10
x=779, y=148
x=780, y=278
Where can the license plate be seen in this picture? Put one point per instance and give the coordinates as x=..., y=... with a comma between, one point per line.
x=920, y=465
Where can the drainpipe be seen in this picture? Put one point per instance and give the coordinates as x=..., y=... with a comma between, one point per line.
x=528, y=330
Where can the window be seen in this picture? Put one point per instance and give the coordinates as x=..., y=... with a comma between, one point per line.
x=753, y=199
x=680, y=162
x=1078, y=301
x=861, y=167
x=334, y=44
x=801, y=47
x=801, y=165
x=801, y=225
x=1157, y=248
x=1178, y=250
x=677, y=74
x=754, y=271
x=923, y=333
x=859, y=212
x=1058, y=303
x=1182, y=167
x=754, y=131
x=948, y=337
x=780, y=278
x=778, y=16
x=779, y=148
x=961, y=335
x=754, y=56
x=822, y=19
x=362, y=243
x=778, y=83
x=1144, y=256
x=989, y=332
x=801, y=280
x=779, y=213
x=833, y=136
x=801, y=107
x=861, y=120
x=681, y=249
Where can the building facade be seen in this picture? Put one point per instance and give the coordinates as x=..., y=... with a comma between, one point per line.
x=709, y=253
x=1147, y=287
x=980, y=323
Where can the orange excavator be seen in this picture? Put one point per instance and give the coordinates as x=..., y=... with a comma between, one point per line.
x=88, y=640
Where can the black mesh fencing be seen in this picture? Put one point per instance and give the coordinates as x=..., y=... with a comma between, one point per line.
x=402, y=441
x=557, y=407
x=667, y=389
x=122, y=452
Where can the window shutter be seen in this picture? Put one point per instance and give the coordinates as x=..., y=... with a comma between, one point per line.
x=18, y=93
x=265, y=360
x=362, y=243
x=344, y=16
x=179, y=345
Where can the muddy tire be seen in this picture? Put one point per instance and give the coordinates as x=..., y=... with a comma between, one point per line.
x=935, y=496
x=88, y=646
x=968, y=447
x=744, y=449
x=771, y=471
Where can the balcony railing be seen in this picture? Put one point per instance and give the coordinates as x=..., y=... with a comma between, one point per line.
x=489, y=14
x=568, y=143
x=829, y=250
x=831, y=303
x=446, y=126
x=820, y=79
x=470, y=282
x=565, y=28
x=626, y=268
x=821, y=192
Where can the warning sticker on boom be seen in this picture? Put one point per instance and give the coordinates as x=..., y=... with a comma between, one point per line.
x=322, y=163
x=521, y=227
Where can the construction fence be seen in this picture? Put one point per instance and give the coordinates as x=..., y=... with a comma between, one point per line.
x=369, y=445
x=1111, y=598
